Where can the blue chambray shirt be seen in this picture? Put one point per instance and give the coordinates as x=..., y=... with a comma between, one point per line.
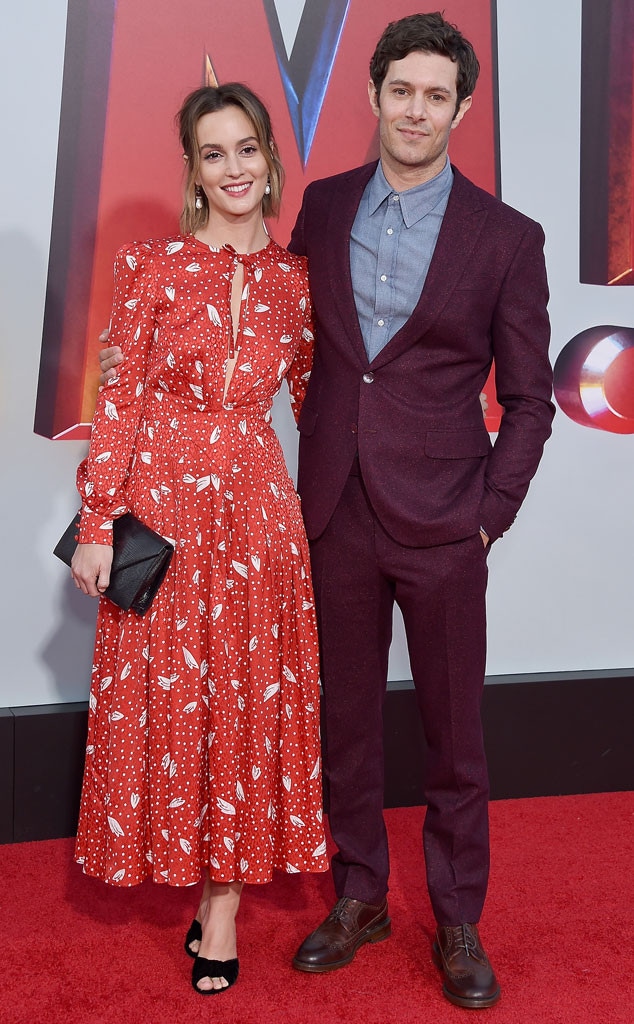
x=391, y=245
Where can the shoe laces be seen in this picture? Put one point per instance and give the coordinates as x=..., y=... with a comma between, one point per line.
x=463, y=938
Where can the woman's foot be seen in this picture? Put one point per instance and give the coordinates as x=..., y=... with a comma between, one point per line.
x=195, y=931
x=217, y=950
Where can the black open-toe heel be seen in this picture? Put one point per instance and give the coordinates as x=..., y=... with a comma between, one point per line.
x=227, y=969
x=194, y=934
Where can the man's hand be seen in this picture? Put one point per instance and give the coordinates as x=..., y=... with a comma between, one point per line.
x=90, y=568
x=108, y=359
x=485, y=538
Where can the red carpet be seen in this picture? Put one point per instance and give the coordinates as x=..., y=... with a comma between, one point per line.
x=558, y=925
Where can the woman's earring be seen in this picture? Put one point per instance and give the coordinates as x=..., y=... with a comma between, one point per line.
x=199, y=198
x=267, y=187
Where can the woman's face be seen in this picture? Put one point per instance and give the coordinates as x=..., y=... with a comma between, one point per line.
x=233, y=171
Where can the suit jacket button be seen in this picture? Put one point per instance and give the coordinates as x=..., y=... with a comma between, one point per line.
x=353, y=428
x=368, y=377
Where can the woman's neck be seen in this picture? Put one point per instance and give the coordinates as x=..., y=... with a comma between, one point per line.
x=244, y=235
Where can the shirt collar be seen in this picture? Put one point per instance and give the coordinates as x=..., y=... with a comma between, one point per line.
x=415, y=203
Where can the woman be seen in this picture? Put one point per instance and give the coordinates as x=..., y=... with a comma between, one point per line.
x=203, y=747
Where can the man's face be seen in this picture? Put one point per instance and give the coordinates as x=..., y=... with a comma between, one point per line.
x=416, y=111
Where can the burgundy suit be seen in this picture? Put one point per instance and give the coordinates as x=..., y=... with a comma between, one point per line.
x=397, y=475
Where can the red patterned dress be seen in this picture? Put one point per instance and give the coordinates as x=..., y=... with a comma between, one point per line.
x=203, y=741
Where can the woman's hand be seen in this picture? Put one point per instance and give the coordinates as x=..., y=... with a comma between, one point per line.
x=90, y=568
x=109, y=359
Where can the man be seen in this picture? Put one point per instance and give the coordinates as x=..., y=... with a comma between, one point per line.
x=419, y=280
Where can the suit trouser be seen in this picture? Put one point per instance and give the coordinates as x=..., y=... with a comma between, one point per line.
x=358, y=573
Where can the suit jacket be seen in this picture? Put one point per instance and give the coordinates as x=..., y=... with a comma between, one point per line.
x=413, y=414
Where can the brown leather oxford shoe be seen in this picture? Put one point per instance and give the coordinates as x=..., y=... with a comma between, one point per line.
x=349, y=925
x=469, y=980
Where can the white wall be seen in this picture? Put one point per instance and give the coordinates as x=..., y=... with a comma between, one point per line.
x=560, y=594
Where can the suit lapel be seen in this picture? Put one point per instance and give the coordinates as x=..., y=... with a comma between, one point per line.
x=457, y=240
x=343, y=210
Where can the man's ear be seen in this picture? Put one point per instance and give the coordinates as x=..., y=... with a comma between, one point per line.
x=462, y=110
x=373, y=96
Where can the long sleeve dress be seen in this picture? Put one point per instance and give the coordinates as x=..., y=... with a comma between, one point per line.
x=203, y=743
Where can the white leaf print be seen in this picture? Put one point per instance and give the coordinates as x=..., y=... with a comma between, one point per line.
x=193, y=268
x=102, y=457
x=185, y=845
x=291, y=869
x=297, y=821
x=246, y=368
x=286, y=780
x=270, y=690
x=242, y=427
x=321, y=849
x=235, y=683
x=170, y=292
x=215, y=612
x=274, y=490
x=171, y=360
x=143, y=719
x=199, y=537
x=243, y=865
x=289, y=711
x=239, y=790
x=245, y=292
x=131, y=261
x=165, y=761
x=198, y=391
x=241, y=703
x=173, y=769
x=178, y=801
x=115, y=827
x=214, y=315
x=293, y=547
x=215, y=481
x=156, y=494
x=275, y=629
x=307, y=335
x=306, y=605
x=281, y=368
x=315, y=772
x=256, y=771
x=116, y=716
x=224, y=806
x=134, y=799
x=303, y=303
x=284, y=266
x=146, y=653
x=253, y=643
x=196, y=577
x=288, y=674
x=146, y=457
x=320, y=815
x=181, y=624
x=260, y=307
x=92, y=700
x=202, y=483
x=310, y=706
x=164, y=682
x=173, y=247
x=257, y=273
x=165, y=834
x=131, y=303
x=150, y=433
x=200, y=818
x=201, y=607
x=190, y=660
x=272, y=814
x=215, y=863
x=240, y=568
x=229, y=843
x=203, y=668
x=267, y=744
x=189, y=479
x=105, y=683
x=249, y=332
x=193, y=704
x=255, y=562
x=215, y=434
x=90, y=749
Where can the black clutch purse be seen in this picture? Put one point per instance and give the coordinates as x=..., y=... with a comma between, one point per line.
x=140, y=560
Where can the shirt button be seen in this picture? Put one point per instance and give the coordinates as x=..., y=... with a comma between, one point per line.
x=395, y=199
x=390, y=231
x=368, y=377
x=381, y=323
x=384, y=277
